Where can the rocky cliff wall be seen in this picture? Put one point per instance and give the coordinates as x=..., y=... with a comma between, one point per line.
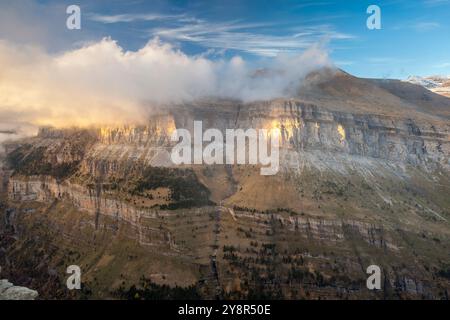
x=305, y=129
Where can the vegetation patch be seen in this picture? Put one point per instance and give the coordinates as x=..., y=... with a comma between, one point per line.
x=148, y=290
x=29, y=161
x=186, y=191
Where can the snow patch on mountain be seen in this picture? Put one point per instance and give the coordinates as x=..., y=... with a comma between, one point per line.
x=437, y=84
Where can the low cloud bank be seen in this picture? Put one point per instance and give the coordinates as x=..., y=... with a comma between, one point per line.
x=101, y=83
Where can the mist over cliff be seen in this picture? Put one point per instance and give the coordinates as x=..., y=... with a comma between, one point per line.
x=101, y=83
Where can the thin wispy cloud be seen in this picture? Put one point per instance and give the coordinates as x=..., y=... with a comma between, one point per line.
x=312, y=4
x=419, y=26
x=257, y=38
x=442, y=65
x=426, y=26
x=343, y=63
x=387, y=60
x=246, y=37
x=118, y=18
x=436, y=2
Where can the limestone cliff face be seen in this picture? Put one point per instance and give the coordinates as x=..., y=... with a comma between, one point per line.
x=48, y=190
x=45, y=189
x=308, y=127
x=357, y=188
x=305, y=130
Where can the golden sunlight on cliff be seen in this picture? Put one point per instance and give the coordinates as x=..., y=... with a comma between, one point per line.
x=161, y=126
x=341, y=132
x=284, y=127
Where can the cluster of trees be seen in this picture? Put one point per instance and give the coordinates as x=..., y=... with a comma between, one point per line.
x=148, y=290
x=28, y=161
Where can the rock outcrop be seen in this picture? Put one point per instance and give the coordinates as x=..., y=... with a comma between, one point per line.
x=8, y=291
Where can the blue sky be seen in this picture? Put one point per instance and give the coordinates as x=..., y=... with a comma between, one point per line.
x=414, y=39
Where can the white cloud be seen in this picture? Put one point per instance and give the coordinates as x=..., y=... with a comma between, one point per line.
x=109, y=19
x=102, y=83
x=426, y=26
x=419, y=26
x=246, y=37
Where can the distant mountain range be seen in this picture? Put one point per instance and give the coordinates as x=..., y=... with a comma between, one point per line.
x=437, y=84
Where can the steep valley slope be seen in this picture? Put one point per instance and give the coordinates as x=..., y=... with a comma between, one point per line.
x=364, y=180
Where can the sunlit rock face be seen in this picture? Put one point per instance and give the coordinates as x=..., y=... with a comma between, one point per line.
x=118, y=145
x=156, y=132
x=305, y=128
x=310, y=136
